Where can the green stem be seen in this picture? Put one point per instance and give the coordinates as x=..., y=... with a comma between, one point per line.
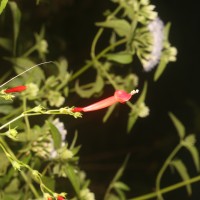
x=26, y=118
x=34, y=191
x=168, y=189
x=31, y=50
x=101, y=54
x=11, y=121
x=164, y=167
x=10, y=155
x=96, y=38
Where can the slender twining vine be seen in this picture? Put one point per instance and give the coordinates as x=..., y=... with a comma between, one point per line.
x=35, y=94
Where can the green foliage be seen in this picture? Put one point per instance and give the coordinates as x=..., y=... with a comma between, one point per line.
x=134, y=114
x=3, y=5
x=178, y=125
x=36, y=155
x=182, y=170
x=120, y=26
x=117, y=189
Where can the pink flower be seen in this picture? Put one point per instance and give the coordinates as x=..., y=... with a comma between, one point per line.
x=119, y=96
x=15, y=89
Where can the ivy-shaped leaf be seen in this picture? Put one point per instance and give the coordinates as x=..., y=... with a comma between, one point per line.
x=120, y=26
x=182, y=170
x=178, y=125
x=96, y=88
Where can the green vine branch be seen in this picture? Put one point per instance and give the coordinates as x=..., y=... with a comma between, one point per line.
x=168, y=189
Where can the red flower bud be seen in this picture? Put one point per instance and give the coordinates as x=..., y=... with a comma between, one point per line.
x=15, y=89
x=119, y=96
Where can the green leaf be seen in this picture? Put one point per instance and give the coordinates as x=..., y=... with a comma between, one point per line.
x=75, y=150
x=74, y=140
x=143, y=94
x=49, y=182
x=6, y=43
x=55, y=135
x=70, y=171
x=160, y=69
x=6, y=109
x=180, y=167
x=121, y=57
x=16, y=23
x=133, y=113
x=166, y=31
x=189, y=145
x=163, y=61
x=120, y=185
x=195, y=156
x=109, y=112
x=121, y=194
x=13, y=186
x=178, y=125
x=21, y=64
x=4, y=165
x=3, y=5
x=131, y=120
x=96, y=88
x=120, y=170
x=112, y=197
x=120, y=26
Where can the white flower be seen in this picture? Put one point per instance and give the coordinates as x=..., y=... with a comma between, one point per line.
x=43, y=46
x=156, y=29
x=85, y=194
x=55, y=98
x=143, y=110
x=32, y=90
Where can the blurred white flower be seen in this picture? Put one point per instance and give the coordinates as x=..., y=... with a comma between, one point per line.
x=63, y=132
x=61, y=128
x=143, y=110
x=43, y=46
x=55, y=98
x=32, y=90
x=156, y=29
x=85, y=194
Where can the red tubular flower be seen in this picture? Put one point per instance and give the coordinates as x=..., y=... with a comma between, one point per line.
x=60, y=198
x=15, y=89
x=119, y=96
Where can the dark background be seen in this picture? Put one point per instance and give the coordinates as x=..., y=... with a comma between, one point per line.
x=70, y=30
